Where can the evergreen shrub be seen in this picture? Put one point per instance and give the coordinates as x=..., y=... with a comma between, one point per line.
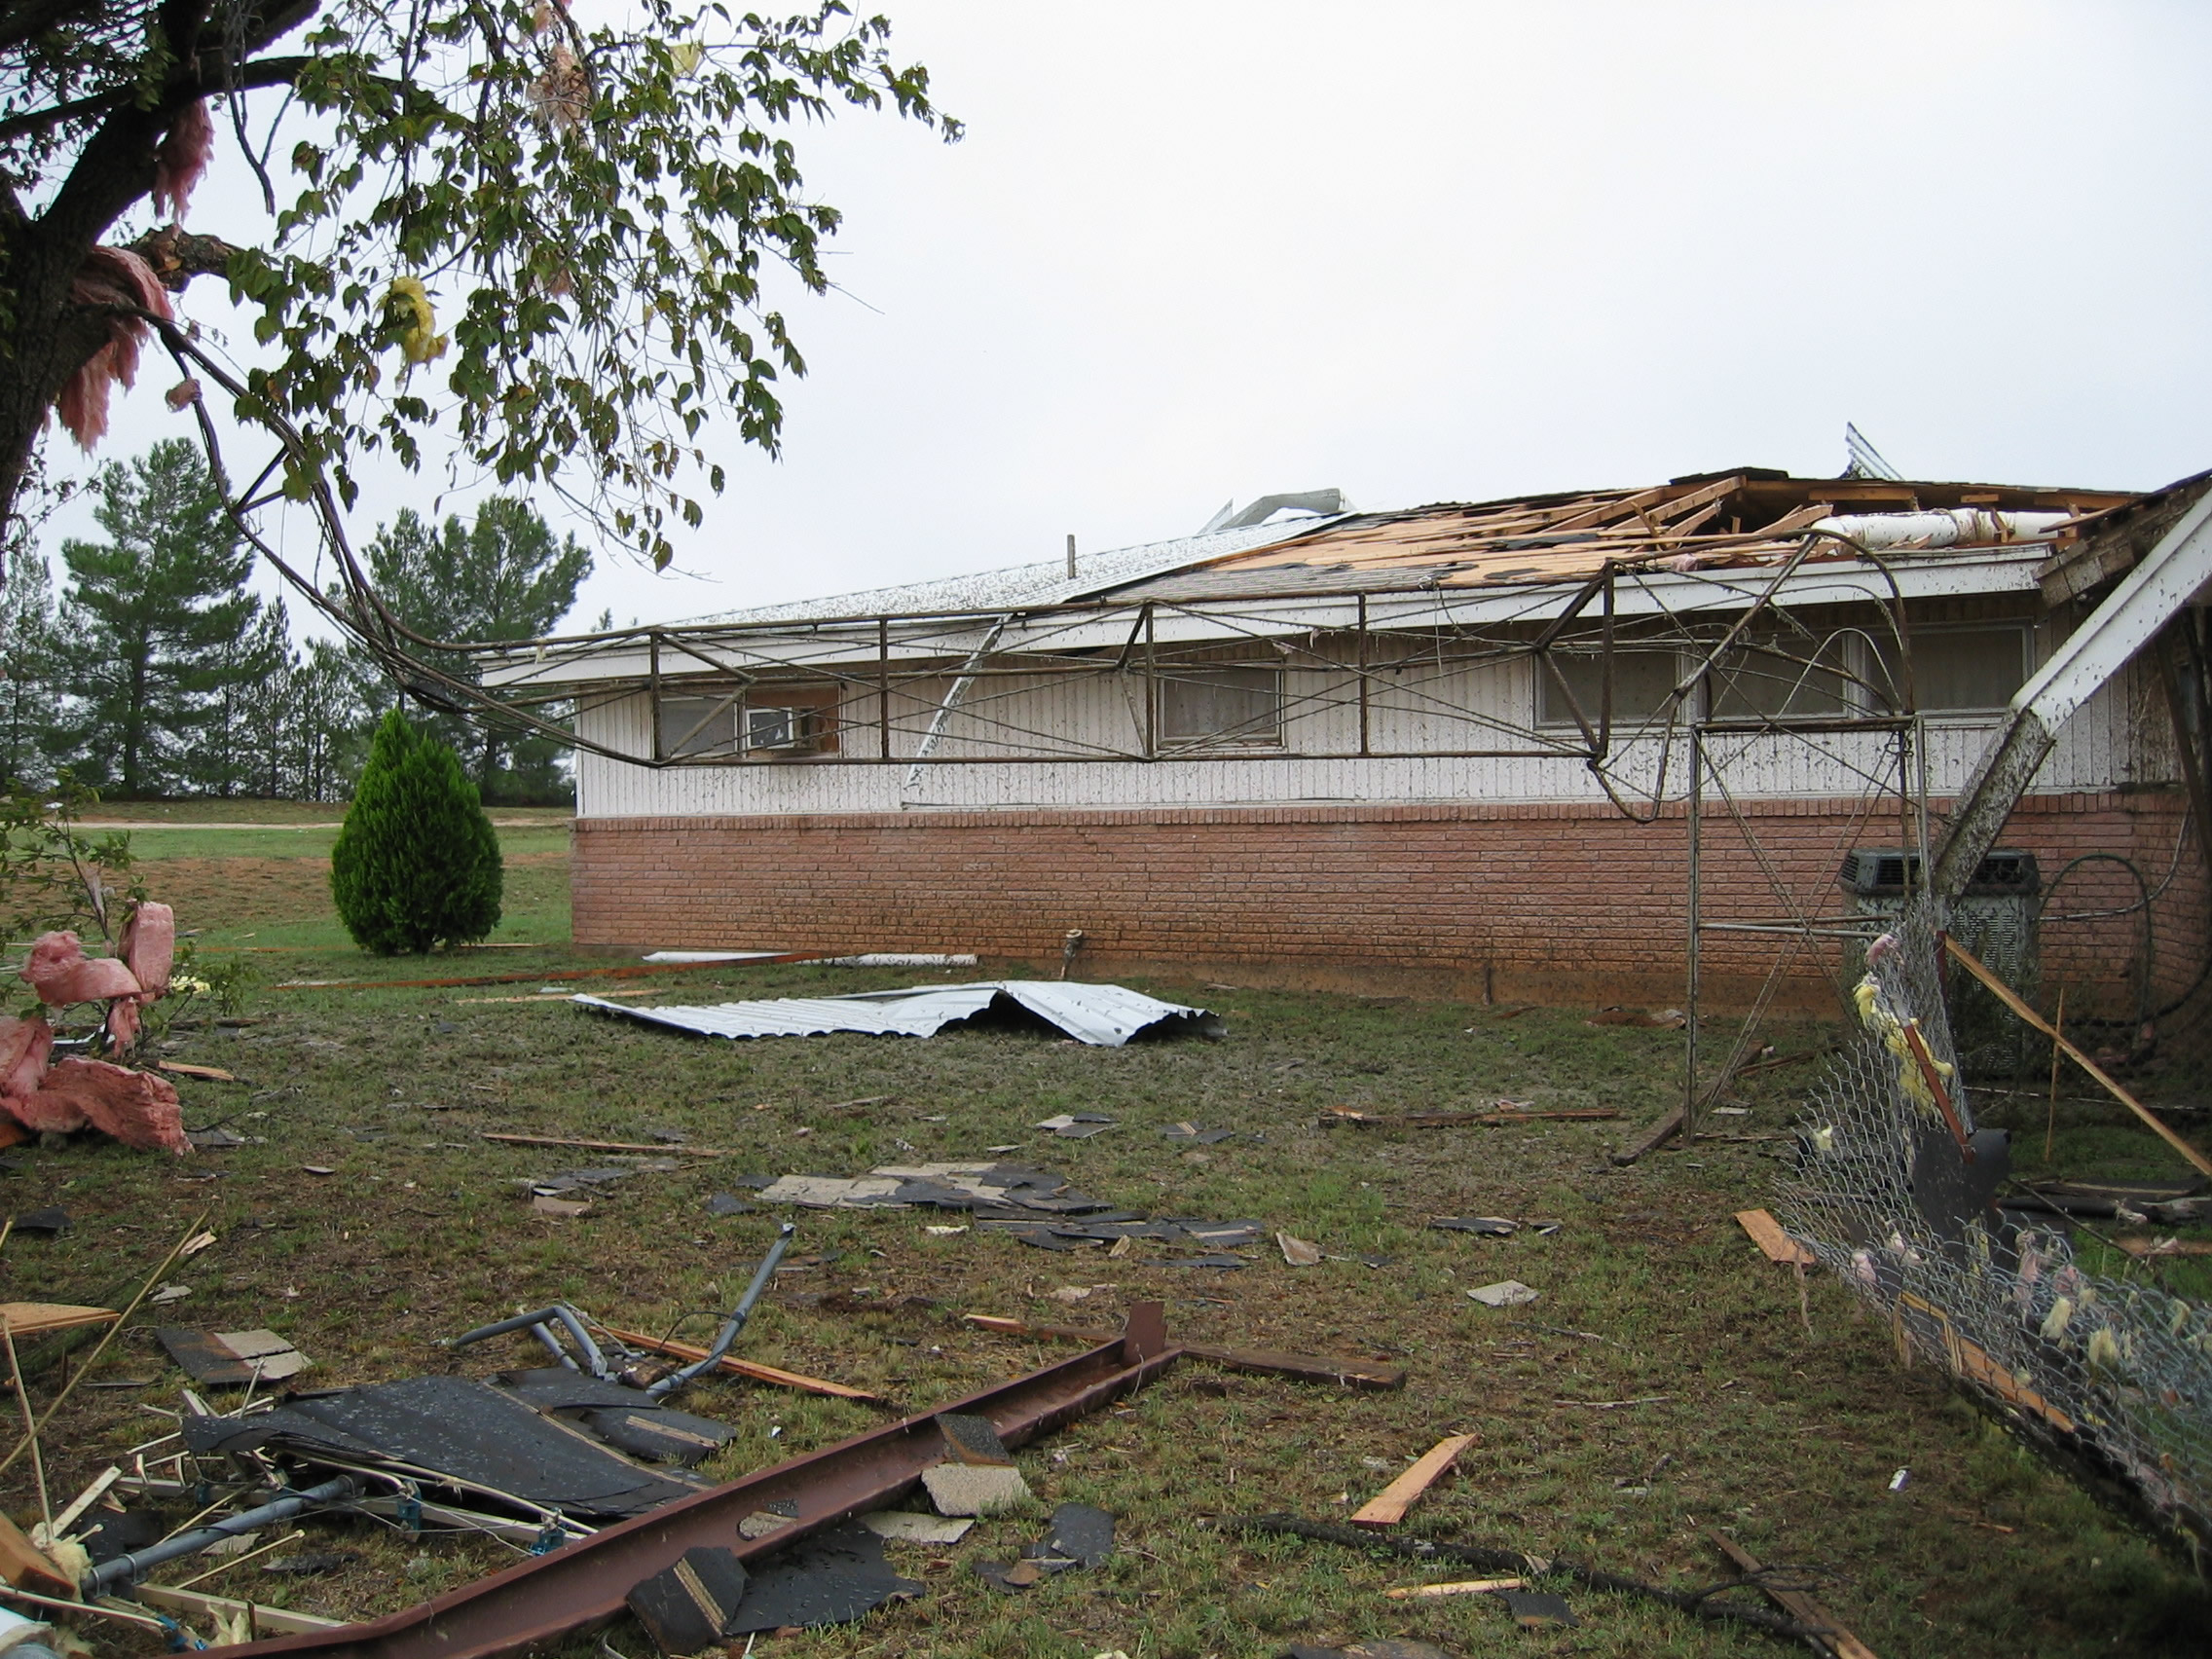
x=417, y=863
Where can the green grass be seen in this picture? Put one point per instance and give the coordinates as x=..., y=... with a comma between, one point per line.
x=1785, y=1436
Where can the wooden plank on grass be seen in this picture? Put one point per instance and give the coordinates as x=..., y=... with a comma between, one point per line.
x=1308, y=1367
x=1505, y=1113
x=1387, y=1507
x=1766, y=1233
x=263, y=1621
x=1663, y=1131
x=1458, y=1587
x=206, y=1074
x=1825, y=1634
x=678, y=1149
x=737, y=1366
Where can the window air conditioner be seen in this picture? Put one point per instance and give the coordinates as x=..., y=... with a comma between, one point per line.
x=776, y=729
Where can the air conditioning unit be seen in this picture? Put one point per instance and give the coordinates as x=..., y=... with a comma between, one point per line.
x=1995, y=918
x=778, y=730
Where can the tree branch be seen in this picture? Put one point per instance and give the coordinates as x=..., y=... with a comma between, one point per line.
x=30, y=21
x=177, y=255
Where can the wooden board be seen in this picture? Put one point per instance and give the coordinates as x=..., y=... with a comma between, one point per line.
x=1766, y=1233
x=2003, y=992
x=266, y=1621
x=35, y=1318
x=206, y=1074
x=737, y=1366
x=1387, y=1507
x=1663, y=1131
x=1460, y=1587
x=1311, y=1367
x=1827, y=1635
x=26, y=1568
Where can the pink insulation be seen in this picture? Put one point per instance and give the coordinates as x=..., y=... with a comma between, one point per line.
x=135, y=1107
x=186, y=149
x=25, y=1045
x=45, y=1112
x=149, y=947
x=60, y=973
x=109, y=277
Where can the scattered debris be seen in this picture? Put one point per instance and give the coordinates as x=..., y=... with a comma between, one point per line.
x=1382, y=1647
x=206, y=1074
x=1389, y=1506
x=1489, y=1226
x=314, y=1564
x=1659, y=1134
x=1666, y=1019
x=559, y=1209
x=1312, y=1368
x=1076, y=1125
x=1898, y=1480
x=686, y=1608
x=1697, y=1604
x=605, y=1145
x=1506, y=1293
x=2141, y=1245
x=1080, y=1535
x=727, y=1203
x=977, y=1476
x=1299, y=1252
x=1766, y=1233
x=1824, y=1633
x=1196, y=1136
x=1458, y=1587
x=35, y=1318
x=831, y=1578
x=1503, y=1113
x=902, y=959
x=907, y=1526
x=1538, y=1609
x=475, y=1437
x=1102, y=1015
x=231, y=1359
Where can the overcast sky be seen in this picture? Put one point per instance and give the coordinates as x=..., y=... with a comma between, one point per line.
x=1452, y=251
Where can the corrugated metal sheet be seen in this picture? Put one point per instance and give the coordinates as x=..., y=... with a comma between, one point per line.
x=1020, y=586
x=1105, y=1016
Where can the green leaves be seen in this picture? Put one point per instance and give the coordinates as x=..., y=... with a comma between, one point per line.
x=598, y=216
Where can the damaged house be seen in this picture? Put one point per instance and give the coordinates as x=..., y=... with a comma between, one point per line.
x=1456, y=739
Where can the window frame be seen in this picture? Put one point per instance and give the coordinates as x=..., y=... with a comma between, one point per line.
x=1166, y=684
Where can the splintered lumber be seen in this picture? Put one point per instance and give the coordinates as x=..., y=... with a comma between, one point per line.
x=36, y=1318
x=260, y=1620
x=1766, y=1233
x=27, y=1568
x=737, y=1366
x=1503, y=1113
x=1824, y=1634
x=1387, y=1507
x=1458, y=1587
x=1663, y=1131
x=2003, y=994
x=678, y=1149
x=206, y=1074
x=1308, y=1367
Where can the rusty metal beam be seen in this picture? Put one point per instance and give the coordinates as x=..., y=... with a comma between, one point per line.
x=582, y=1586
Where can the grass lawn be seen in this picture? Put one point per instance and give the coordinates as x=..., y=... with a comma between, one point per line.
x=1786, y=1437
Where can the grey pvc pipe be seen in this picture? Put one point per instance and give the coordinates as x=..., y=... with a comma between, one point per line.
x=126, y=1568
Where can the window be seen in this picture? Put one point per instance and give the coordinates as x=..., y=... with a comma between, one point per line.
x=1214, y=708
x=698, y=725
x=1642, y=679
x=1965, y=670
x=1780, y=676
x=763, y=722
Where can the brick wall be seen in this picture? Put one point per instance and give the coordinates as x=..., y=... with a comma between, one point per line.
x=1559, y=901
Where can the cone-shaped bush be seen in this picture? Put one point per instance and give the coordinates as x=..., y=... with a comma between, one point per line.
x=417, y=863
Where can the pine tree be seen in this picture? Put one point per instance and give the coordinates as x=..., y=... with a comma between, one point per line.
x=504, y=577
x=151, y=624
x=417, y=864
x=28, y=690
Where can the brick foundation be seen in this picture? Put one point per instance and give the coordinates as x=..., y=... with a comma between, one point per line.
x=1558, y=903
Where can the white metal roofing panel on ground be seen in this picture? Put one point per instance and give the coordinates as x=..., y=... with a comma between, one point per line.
x=1105, y=1016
